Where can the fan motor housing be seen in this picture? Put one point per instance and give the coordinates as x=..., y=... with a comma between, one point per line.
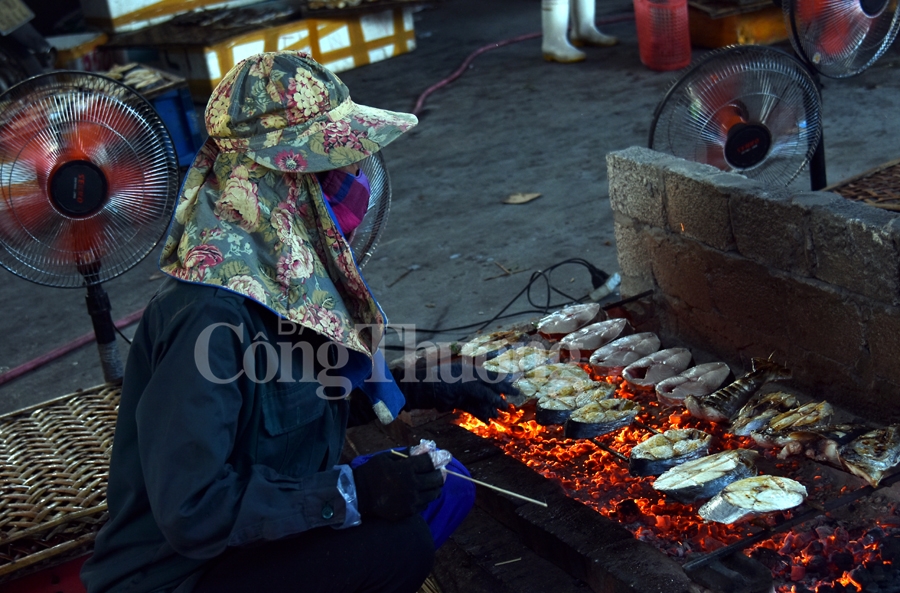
x=78, y=188
x=747, y=145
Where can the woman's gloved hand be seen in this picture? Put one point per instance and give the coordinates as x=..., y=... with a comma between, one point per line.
x=393, y=487
x=478, y=393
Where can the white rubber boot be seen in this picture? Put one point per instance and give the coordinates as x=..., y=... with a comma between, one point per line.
x=555, y=27
x=584, y=26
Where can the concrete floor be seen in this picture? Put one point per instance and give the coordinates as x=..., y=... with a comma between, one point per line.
x=512, y=123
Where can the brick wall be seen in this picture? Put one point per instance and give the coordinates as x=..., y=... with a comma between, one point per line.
x=741, y=270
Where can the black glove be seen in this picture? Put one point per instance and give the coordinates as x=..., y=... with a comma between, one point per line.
x=476, y=391
x=393, y=487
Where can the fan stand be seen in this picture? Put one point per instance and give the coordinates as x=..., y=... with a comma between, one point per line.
x=79, y=189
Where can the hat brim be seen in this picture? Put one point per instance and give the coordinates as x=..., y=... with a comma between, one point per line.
x=349, y=134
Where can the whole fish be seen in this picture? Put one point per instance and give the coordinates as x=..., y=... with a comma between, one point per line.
x=778, y=431
x=869, y=456
x=601, y=417
x=611, y=359
x=646, y=372
x=589, y=338
x=725, y=403
x=663, y=451
x=757, y=412
x=568, y=319
x=753, y=496
x=705, y=477
x=698, y=381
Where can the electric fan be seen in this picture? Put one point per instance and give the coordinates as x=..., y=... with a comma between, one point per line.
x=841, y=38
x=88, y=182
x=723, y=111
x=750, y=109
x=365, y=237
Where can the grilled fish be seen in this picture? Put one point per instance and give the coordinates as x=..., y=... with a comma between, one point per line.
x=664, y=451
x=646, y=372
x=490, y=345
x=519, y=360
x=532, y=382
x=568, y=319
x=611, y=359
x=601, y=417
x=724, y=403
x=871, y=455
x=589, y=338
x=777, y=432
x=705, y=477
x=554, y=410
x=698, y=381
x=753, y=496
x=822, y=443
x=757, y=412
x=555, y=407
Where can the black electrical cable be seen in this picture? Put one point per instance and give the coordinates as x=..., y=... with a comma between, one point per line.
x=598, y=277
x=124, y=337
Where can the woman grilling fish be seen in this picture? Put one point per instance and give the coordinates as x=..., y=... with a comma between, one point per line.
x=254, y=356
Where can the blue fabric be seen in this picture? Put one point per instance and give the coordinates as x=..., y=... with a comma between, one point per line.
x=450, y=509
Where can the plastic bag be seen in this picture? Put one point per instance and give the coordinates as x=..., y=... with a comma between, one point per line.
x=439, y=457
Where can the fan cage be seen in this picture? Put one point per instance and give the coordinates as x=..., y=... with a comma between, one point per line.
x=841, y=38
x=365, y=237
x=768, y=86
x=49, y=120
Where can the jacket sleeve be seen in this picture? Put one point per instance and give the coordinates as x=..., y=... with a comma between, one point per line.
x=187, y=421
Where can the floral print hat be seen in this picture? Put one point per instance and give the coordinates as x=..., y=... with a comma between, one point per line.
x=249, y=217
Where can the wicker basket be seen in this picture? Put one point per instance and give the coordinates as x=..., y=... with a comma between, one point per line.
x=879, y=187
x=55, y=465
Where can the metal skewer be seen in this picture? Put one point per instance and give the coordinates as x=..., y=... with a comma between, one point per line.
x=485, y=484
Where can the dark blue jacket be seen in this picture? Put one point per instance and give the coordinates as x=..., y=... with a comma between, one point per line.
x=202, y=461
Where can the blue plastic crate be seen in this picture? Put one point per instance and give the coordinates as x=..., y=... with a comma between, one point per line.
x=176, y=109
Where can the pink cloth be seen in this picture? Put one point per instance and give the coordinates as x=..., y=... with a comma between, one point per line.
x=348, y=196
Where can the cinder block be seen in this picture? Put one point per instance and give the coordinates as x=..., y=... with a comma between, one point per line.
x=633, y=247
x=697, y=202
x=770, y=229
x=854, y=248
x=824, y=320
x=636, y=184
x=882, y=398
x=883, y=337
x=681, y=270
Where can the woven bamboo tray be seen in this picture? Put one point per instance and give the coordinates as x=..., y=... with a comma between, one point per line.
x=879, y=187
x=54, y=465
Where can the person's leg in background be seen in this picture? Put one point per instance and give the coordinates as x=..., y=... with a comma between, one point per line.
x=584, y=25
x=555, y=31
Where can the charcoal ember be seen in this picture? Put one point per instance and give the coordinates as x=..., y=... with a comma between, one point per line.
x=856, y=533
x=824, y=531
x=890, y=549
x=873, y=535
x=814, y=549
x=628, y=511
x=817, y=566
x=863, y=575
x=772, y=560
x=843, y=561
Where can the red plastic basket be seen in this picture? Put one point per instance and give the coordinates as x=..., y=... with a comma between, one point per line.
x=664, y=38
